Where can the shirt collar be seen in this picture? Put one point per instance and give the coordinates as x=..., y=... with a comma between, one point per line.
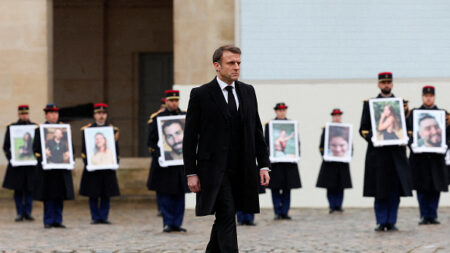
x=223, y=84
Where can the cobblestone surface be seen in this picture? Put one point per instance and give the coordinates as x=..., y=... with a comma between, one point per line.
x=136, y=228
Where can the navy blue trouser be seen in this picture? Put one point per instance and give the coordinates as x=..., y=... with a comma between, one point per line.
x=24, y=202
x=172, y=208
x=335, y=198
x=386, y=210
x=53, y=212
x=428, y=204
x=281, y=201
x=244, y=217
x=99, y=211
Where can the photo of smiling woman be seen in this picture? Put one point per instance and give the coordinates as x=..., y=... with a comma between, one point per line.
x=102, y=154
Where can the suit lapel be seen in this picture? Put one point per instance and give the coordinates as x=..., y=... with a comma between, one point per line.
x=218, y=98
x=241, y=95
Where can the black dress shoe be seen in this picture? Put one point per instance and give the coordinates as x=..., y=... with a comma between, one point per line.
x=179, y=229
x=331, y=211
x=380, y=228
x=48, y=226
x=250, y=223
x=58, y=225
x=95, y=222
x=286, y=217
x=433, y=221
x=277, y=217
x=168, y=229
x=391, y=227
x=19, y=218
x=241, y=223
x=339, y=209
x=28, y=217
x=106, y=222
x=424, y=222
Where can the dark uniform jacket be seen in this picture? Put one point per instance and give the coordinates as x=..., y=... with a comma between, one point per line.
x=99, y=183
x=333, y=175
x=20, y=178
x=55, y=184
x=428, y=169
x=207, y=144
x=166, y=180
x=383, y=164
x=284, y=175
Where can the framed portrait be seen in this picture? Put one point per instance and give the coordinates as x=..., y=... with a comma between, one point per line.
x=284, y=145
x=171, y=133
x=100, y=148
x=429, y=131
x=338, y=142
x=388, y=122
x=56, y=143
x=21, y=138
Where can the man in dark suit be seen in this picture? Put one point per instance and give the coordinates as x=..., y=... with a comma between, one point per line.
x=223, y=136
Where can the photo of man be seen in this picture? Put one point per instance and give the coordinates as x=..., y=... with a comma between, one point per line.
x=173, y=131
x=56, y=147
x=430, y=133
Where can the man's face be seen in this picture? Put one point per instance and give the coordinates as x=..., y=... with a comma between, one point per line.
x=428, y=100
x=338, y=146
x=281, y=113
x=52, y=117
x=24, y=116
x=100, y=117
x=336, y=118
x=385, y=87
x=172, y=104
x=58, y=134
x=229, y=67
x=174, y=137
x=430, y=132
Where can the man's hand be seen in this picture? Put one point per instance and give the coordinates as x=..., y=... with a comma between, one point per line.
x=265, y=178
x=194, y=183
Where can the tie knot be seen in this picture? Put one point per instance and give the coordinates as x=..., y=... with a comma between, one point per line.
x=229, y=88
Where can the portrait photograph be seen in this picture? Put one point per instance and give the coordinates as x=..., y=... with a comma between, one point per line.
x=284, y=144
x=429, y=131
x=100, y=148
x=338, y=142
x=21, y=137
x=56, y=141
x=388, y=121
x=171, y=133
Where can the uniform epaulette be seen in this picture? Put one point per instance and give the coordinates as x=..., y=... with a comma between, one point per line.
x=86, y=126
x=365, y=100
x=37, y=126
x=323, y=127
x=37, y=154
x=267, y=122
x=116, y=128
x=152, y=117
x=321, y=149
x=83, y=155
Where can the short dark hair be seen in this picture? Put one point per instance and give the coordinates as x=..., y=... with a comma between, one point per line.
x=170, y=122
x=217, y=56
x=426, y=116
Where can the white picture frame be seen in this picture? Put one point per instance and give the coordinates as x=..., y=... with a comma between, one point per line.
x=21, y=140
x=447, y=158
x=105, y=159
x=424, y=121
x=389, y=112
x=58, y=161
x=283, y=141
x=171, y=133
x=338, y=142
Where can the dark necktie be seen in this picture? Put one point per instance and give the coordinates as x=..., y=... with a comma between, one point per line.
x=231, y=101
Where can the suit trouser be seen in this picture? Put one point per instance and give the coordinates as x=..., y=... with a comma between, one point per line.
x=281, y=199
x=24, y=202
x=99, y=212
x=335, y=198
x=223, y=233
x=428, y=204
x=172, y=208
x=53, y=212
x=244, y=217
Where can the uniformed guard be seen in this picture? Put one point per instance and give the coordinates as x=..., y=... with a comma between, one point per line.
x=168, y=182
x=21, y=179
x=430, y=175
x=334, y=176
x=387, y=174
x=284, y=175
x=99, y=185
x=54, y=186
x=248, y=218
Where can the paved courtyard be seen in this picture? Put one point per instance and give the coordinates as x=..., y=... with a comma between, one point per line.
x=136, y=228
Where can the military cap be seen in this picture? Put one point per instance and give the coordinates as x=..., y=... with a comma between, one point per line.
x=336, y=111
x=100, y=107
x=172, y=94
x=428, y=90
x=280, y=106
x=51, y=108
x=23, y=109
x=384, y=76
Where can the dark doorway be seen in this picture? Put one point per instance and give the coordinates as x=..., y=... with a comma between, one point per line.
x=155, y=76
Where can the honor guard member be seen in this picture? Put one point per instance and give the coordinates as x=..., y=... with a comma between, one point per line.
x=99, y=185
x=334, y=176
x=430, y=175
x=284, y=175
x=387, y=174
x=55, y=185
x=21, y=179
x=168, y=182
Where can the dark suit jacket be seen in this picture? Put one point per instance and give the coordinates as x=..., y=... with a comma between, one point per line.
x=206, y=145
